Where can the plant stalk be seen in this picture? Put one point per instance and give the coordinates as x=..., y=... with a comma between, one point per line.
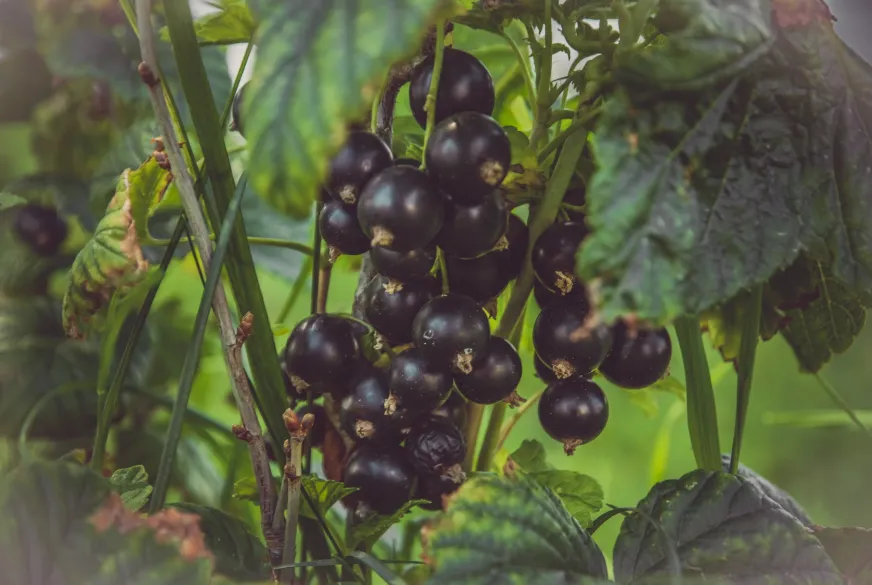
x=297, y=430
x=747, y=356
x=430, y=103
x=507, y=428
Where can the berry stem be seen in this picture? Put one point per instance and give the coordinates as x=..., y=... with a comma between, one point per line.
x=430, y=103
x=747, y=355
x=524, y=64
x=254, y=241
x=581, y=123
x=443, y=269
x=507, y=428
x=296, y=290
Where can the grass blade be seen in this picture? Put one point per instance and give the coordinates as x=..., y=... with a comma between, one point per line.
x=192, y=359
x=702, y=418
x=840, y=401
x=378, y=566
x=747, y=356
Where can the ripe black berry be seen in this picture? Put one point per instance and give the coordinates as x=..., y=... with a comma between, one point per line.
x=465, y=85
x=362, y=411
x=565, y=339
x=319, y=427
x=417, y=385
x=473, y=230
x=40, y=228
x=363, y=156
x=543, y=372
x=546, y=297
x=341, y=231
x=319, y=352
x=401, y=209
x=469, y=155
x=575, y=196
x=554, y=255
x=403, y=266
x=236, y=110
x=573, y=411
x=454, y=409
x=437, y=447
x=495, y=377
x=432, y=488
x=382, y=474
x=637, y=361
x=390, y=306
x=452, y=330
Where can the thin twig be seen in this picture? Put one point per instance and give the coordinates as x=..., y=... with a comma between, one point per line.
x=232, y=339
x=297, y=430
x=510, y=424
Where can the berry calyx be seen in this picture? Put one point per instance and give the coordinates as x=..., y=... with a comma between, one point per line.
x=341, y=231
x=362, y=411
x=554, y=255
x=469, y=155
x=570, y=340
x=437, y=447
x=319, y=351
x=363, y=156
x=452, y=330
x=417, y=385
x=382, y=475
x=465, y=85
x=637, y=359
x=546, y=297
x=573, y=411
x=390, y=306
x=403, y=266
x=40, y=228
x=495, y=377
x=401, y=209
x=472, y=230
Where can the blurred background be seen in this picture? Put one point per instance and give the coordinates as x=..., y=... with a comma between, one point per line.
x=795, y=435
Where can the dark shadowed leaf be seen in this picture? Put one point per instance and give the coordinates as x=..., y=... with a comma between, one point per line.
x=513, y=529
x=131, y=484
x=319, y=65
x=370, y=530
x=851, y=551
x=724, y=527
x=781, y=497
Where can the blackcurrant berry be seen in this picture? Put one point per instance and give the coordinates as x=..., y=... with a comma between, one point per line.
x=390, y=306
x=362, y=411
x=454, y=409
x=401, y=209
x=452, y=330
x=573, y=411
x=465, y=85
x=341, y=231
x=319, y=352
x=469, y=155
x=433, y=488
x=543, y=372
x=637, y=361
x=41, y=228
x=319, y=427
x=363, y=156
x=554, y=255
x=437, y=447
x=382, y=475
x=575, y=196
x=568, y=341
x=403, y=266
x=495, y=377
x=518, y=239
x=417, y=385
x=546, y=297
x=473, y=230
x=236, y=110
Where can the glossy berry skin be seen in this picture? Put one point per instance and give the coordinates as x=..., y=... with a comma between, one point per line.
x=472, y=230
x=404, y=266
x=573, y=411
x=465, y=85
x=41, y=228
x=637, y=362
x=435, y=447
x=469, y=155
x=495, y=377
x=543, y=372
x=341, y=231
x=320, y=350
x=576, y=196
x=391, y=312
x=236, y=110
x=319, y=428
x=554, y=255
x=417, y=385
x=401, y=209
x=382, y=474
x=566, y=343
x=546, y=297
x=452, y=330
x=454, y=409
x=363, y=156
x=362, y=411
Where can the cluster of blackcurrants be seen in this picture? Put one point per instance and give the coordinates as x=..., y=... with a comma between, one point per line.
x=40, y=228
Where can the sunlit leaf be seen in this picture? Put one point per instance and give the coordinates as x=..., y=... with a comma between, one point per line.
x=132, y=484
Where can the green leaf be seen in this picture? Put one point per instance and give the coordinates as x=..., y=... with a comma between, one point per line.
x=724, y=527
x=238, y=553
x=778, y=495
x=8, y=200
x=699, y=197
x=232, y=23
x=246, y=489
x=496, y=16
x=324, y=494
x=531, y=457
x=581, y=494
x=370, y=530
x=851, y=551
x=512, y=528
x=304, y=91
x=132, y=484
